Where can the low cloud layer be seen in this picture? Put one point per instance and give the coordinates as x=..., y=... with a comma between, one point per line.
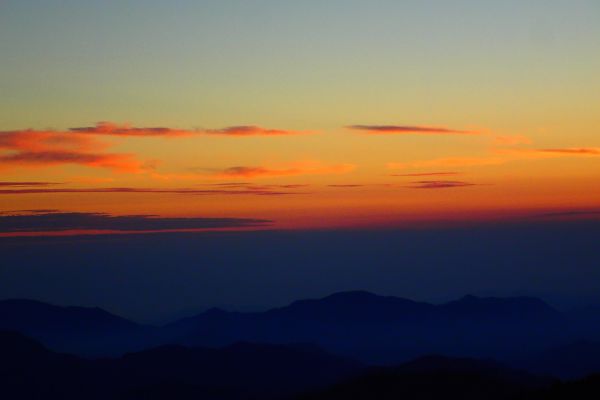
x=45, y=221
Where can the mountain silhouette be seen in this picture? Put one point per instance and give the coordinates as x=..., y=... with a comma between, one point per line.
x=384, y=329
x=357, y=324
x=355, y=307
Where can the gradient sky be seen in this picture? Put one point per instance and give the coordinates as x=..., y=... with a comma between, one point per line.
x=296, y=114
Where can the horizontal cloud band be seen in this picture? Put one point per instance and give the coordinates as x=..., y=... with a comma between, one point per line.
x=408, y=130
x=60, y=221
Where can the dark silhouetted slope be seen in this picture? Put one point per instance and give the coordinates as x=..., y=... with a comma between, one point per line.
x=435, y=378
x=571, y=361
x=241, y=371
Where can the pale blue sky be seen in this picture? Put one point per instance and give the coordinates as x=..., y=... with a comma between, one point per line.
x=209, y=62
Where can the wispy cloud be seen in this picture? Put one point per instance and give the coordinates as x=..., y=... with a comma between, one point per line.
x=246, y=130
x=439, y=184
x=409, y=130
x=52, y=221
x=498, y=157
x=344, y=185
x=416, y=174
x=111, y=128
x=27, y=184
x=190, y=191
x=569, y=214
x=302, y=168
x=451, y=162
x=574, y=151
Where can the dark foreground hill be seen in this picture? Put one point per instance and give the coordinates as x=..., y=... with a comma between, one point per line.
x=247, y=371
x=242, y=371
x=434, y=378
x=570, y=361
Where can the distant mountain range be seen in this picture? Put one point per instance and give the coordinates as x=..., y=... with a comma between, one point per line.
x=360, y=325
x=382, y=329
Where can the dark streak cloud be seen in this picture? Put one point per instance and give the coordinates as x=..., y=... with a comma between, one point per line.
x=427, y=174
x=574, y=151
x=25, y=184
x=250, y=130
x=345, y=185
x=573, y=213
x=146, y=190
x=111, y=128
x=439, y=184
x=409, y=130
x=66, y=221
x=249, y=185
x=227, y=184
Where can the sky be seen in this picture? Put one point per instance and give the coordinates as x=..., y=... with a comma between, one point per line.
x=128, y=117
x=306, y=114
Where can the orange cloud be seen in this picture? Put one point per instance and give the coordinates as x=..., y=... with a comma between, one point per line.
x=118, y=162
x=30, y=140
x=408, y=130
x=47, y=148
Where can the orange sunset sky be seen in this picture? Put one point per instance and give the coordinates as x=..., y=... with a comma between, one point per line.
x=304, y=115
